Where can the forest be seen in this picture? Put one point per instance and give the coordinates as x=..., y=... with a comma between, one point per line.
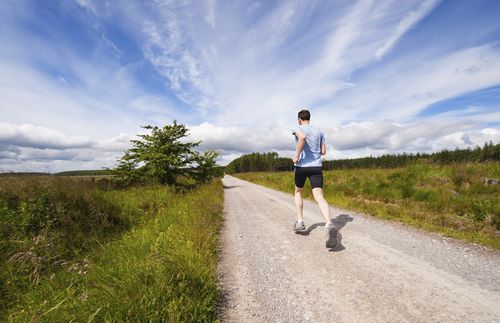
x=272, y=162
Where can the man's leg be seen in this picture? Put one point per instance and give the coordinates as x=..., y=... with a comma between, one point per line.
x=322, y=203
x=299, y=203
x=316, y=179
x=331, y=231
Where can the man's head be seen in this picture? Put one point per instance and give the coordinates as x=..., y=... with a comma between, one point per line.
x=304, y=115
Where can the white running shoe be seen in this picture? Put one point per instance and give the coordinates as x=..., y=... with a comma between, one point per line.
x=331, y=235
x=299, y=226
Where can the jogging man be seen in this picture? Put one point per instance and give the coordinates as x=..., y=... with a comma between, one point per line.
x=308, y=164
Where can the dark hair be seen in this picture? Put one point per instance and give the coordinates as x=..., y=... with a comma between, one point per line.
x=304, y=115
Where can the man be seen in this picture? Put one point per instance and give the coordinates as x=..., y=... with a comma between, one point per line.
x=308, y=164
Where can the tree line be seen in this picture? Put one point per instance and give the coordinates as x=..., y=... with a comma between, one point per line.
x=257, y=162
x=272, y=162
x=489, y=152
x=86, y=172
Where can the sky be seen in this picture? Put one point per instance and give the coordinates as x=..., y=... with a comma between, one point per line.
x=78, y=78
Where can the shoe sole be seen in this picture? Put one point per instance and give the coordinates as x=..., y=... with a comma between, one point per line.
x=332, y=241
x=300, y=231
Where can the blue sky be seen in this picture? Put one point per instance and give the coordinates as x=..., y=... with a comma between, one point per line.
x=79, y=77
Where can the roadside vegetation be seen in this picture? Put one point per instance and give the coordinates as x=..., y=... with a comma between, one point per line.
x=127, y=247
x=71, y=251
x=452, y=199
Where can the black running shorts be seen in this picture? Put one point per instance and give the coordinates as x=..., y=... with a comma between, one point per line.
x=315, y=175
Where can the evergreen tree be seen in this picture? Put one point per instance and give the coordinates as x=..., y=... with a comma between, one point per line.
x=161, y=155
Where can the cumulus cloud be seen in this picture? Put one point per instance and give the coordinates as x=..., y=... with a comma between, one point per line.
x=118, y=143
x=235, y=139
x=8, y=151
x=355, y=139
x=28, y=135
x=25, y=146
x=31, y=154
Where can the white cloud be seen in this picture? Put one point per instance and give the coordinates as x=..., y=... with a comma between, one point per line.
x=210, y=17
x=312, y=67
x=98, y=102
x=118, y=143
x=420, y=135
x=355, y=139
x=261, y=72
x=407, y=86
x=87, y=4
x=39, y=137
x=406, y=24
x=242, y=140
x=33, y=154
x=34, y=148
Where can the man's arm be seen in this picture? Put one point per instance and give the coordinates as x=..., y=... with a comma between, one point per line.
x=301, y=140
x=323, y=149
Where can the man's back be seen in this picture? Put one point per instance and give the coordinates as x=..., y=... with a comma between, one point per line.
x=311, y=155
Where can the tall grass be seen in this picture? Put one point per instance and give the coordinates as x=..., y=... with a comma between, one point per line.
x=450, y=199
x=81, y=253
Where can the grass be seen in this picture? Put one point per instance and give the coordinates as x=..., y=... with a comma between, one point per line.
x=74, y=252
x=452, y=200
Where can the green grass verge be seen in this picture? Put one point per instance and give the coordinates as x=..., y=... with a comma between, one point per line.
x=159, y=264
x=452, y=199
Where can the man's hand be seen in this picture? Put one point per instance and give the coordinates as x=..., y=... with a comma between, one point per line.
x=295, y=158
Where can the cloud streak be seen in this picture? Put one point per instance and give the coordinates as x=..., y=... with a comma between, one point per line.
x=412, y=18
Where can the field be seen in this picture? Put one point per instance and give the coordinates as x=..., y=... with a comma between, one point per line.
x=450, y=199
x=78, y=250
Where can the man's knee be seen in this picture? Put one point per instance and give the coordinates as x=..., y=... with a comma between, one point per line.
x=298, y=189
x=318, y=193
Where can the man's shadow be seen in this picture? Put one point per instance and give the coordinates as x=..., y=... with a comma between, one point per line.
x=338, y=223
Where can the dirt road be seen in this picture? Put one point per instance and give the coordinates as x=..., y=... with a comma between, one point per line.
x=381, y=271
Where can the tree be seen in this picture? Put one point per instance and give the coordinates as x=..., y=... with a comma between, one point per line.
x=162, y=156
x=207, y=167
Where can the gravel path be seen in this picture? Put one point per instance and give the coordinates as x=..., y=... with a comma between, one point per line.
x=381, y=271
